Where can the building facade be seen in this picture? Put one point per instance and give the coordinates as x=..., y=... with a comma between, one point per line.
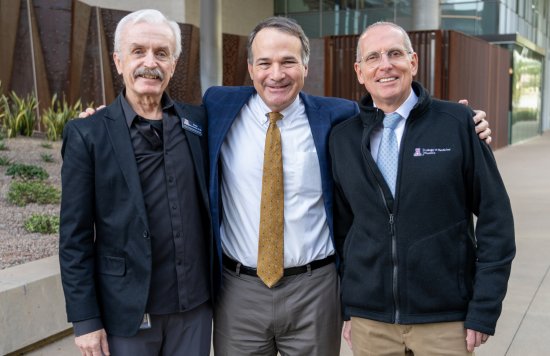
x=521, y=26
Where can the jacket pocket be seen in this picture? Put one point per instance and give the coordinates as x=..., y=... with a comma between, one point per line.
x=111, y=265
x=437, y=269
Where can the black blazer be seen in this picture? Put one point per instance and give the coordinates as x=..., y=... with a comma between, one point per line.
x=105, y=247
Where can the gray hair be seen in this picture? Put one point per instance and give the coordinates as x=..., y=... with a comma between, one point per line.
x=283, y=24
x=149, y=16
x=406, y=38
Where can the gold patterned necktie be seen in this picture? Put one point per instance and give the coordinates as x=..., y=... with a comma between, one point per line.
x=270, y=245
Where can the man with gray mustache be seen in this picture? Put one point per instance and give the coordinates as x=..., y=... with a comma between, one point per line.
x=135, y=231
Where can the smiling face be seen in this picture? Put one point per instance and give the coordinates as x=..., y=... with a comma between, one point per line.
x=389, y=83
x=146, y=60
x=277, y=69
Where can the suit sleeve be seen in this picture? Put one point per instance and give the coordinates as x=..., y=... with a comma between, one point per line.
x=494, y=239
x=342, y=214
x=76, y=240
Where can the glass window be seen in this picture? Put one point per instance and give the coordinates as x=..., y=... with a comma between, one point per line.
x=526, y=94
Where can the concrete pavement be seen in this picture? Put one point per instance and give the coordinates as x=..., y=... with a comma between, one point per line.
x=524, y=326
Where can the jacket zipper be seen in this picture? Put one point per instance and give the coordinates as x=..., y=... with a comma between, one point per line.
x=395, y=262
x=391, y=220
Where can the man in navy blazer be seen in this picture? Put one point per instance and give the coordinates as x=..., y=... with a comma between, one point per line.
x=135, y=234
x=300, y=314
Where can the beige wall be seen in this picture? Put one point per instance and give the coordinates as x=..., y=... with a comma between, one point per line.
x=238, y=16
x=174, y=9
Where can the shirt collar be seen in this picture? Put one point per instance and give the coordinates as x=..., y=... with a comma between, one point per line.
x=129, y=113
x=405, y=109
x=288, y=113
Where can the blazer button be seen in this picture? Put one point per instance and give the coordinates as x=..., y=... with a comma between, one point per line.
x=146, y=234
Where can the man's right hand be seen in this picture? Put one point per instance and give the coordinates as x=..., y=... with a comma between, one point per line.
x=89, y=111
x=93, y=344
x=346, y=332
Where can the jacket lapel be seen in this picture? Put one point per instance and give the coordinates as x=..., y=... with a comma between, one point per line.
x=119, y=136
x=197, y=152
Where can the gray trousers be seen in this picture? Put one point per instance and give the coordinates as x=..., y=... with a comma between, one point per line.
x=300, y=315
x=187, y=333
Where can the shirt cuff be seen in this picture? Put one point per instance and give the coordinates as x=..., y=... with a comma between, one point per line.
x=87, y=326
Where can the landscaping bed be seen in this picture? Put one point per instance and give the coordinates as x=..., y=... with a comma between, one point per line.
x=17, y=245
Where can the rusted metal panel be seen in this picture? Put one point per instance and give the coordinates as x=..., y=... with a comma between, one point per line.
x=9, y=20
x=54, y=39
x=80, y=23
x=428, y=46
x=235, y=69
x=340, y=77
x=479, y=72
x=185, y=84
x=22, y=80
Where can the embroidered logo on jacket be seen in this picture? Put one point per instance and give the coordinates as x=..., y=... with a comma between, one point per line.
x=419, y=152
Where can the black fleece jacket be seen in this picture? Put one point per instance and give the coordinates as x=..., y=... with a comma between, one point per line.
x=416, y=258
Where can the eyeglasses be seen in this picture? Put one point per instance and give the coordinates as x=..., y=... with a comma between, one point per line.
x=394, y=55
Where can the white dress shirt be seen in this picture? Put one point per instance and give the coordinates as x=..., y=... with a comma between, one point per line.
x=404, y=110
x=306, y=232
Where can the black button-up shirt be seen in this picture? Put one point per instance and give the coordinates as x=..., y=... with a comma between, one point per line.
x=179, y=279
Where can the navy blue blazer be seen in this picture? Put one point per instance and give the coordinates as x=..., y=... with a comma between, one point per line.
x=223, y=104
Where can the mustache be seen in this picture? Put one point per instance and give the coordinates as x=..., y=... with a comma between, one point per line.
x=155, y=72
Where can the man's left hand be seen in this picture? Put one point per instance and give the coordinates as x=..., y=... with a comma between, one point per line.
x=482, y=125
x=475, y=339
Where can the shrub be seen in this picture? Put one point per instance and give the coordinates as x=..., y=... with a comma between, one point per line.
x=23, y=193
x=27, y=172
x=46, y=145
x=46, y=157
x=4, y=161
x=19, y=116
x=57, y=115
x=3, y=146
x=42, y=223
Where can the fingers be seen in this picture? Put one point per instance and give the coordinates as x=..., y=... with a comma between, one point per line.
x=470, y=340
x=93, y=344
x=463, y=102
x=346, y=333
x=105, y=345
x=89, y=111
x=475, y=339
x=86, y=113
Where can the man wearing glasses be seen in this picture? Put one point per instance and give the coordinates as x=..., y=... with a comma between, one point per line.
x=416, y=277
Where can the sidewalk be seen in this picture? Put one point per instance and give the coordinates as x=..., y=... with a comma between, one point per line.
x=524, y=326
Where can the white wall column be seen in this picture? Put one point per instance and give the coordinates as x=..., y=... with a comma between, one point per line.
x=426, y=15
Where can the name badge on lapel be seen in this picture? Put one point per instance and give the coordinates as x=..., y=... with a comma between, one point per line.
x=191, y=126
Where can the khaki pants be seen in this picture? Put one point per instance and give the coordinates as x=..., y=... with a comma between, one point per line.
x=374, y=338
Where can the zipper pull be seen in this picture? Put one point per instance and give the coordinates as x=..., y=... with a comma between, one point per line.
x=392, y=224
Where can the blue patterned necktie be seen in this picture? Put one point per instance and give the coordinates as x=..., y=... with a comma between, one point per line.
x=388, y=152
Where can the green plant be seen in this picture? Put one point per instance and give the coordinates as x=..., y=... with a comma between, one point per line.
x=46, y=157
x=3, y=146
x=5, y=161
x=9, y=118
x=27, y=172
x=57, y=115
x=22, y=193
x=19, y=116
x=46, y=145
x=42, y=223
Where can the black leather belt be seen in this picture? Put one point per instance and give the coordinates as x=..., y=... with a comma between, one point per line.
x=233, y=265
